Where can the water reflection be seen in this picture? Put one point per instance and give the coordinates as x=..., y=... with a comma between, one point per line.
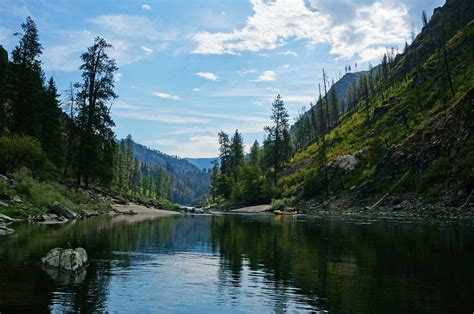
x=243, y=263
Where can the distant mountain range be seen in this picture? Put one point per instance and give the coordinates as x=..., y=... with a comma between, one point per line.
x=189, y=183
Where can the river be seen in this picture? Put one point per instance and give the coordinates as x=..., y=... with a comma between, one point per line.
x=244, y=263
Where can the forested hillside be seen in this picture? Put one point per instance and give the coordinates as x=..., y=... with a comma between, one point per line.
x=186, y=183
x=400, y=132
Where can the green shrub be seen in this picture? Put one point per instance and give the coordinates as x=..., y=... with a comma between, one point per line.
x=22, y=151
x=40, y=194
x=278, y=203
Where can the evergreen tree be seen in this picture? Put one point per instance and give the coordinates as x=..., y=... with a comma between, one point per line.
x=254, y=157
x=277, y=143
x=225, y=152
x=97, y=139
x=51, y=130
x=27, y=82
x=4, y=73
x=236, y=151
x=26, y=53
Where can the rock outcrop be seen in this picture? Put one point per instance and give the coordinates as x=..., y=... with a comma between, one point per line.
x=66, y=259
x=342, y=164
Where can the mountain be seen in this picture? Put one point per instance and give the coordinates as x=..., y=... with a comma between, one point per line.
x=188, y=183
x=202, y=163
x=412, y=137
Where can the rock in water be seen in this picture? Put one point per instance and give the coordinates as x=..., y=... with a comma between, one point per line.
x=4, y=230
x=66, y=259
x=63, y=211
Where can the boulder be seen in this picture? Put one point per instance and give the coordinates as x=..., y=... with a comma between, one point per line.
x=66, y=259
x=344, y=163
x=51, y=219
x=17, y=199
x=4, y=204
x=63, y=211
x=5, y=218
x=4, y=230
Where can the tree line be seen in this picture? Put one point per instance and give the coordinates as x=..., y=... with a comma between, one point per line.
x=70, y=139
x=252, y=178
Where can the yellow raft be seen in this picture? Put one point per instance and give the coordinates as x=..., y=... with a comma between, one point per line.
x=283, y=212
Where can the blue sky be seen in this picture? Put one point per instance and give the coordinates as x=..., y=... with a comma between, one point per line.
x=188, y=69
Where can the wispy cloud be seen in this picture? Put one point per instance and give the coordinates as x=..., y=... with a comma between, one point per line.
x=166, y=96
x=146, y=7
x=196, y=89
x=288, y=52
x=266, y=76
x=146, y=50
x=208, y=76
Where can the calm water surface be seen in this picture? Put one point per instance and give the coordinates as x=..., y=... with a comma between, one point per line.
x=244, y=263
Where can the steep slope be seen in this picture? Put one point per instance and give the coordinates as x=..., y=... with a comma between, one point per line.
x=418, y=140
x=188, y=183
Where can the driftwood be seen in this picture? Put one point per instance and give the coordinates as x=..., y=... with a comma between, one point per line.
x=117, y=199
x=390, y=191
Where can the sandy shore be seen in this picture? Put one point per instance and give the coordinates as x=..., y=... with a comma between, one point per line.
x=140, y=213
x=253, y=209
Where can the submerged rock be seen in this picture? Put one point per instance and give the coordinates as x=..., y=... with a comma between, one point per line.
x=66, y=259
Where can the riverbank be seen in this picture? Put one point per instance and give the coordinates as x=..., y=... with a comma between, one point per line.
x=253, y=209
x=389, y=205
x=134, y=213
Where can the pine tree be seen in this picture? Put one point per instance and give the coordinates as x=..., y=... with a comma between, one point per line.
x=277, y=144
x=4, y=73
x=225, y=152
x=97, y=140
x=26, y=53
x=254, y=157
x=236, y=152
x=27, y=81
x=51, y=130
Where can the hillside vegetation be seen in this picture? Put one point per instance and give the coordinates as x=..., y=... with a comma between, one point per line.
x=412, y=134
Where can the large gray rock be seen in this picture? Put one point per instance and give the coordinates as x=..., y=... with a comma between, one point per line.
x=344, y=163
x=66, y=259
x=63, y=211
x=5, y=218
x=4, y=230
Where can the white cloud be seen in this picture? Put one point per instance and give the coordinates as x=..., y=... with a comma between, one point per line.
x=196, y=89
x=373, y=28
x=166, y=96
x=146, y=50
x=266, y=76
x=118, y=76
x=289, y=52
x=208, y=76
x=269, y=27
x=146, y=7
x=122, y=105
x=273, y=23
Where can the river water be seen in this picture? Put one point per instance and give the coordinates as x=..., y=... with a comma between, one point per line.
x=244, y=263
